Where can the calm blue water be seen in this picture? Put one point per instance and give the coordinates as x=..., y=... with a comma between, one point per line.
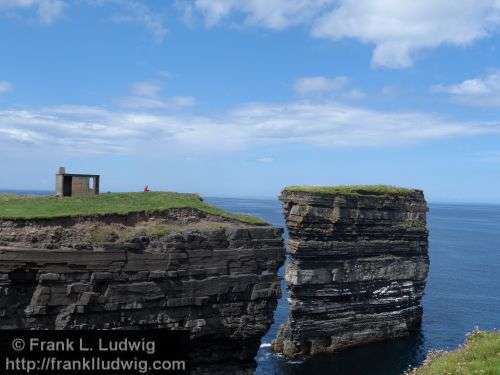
x=463, y=292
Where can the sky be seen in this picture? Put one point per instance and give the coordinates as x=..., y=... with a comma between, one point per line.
x=242, y=97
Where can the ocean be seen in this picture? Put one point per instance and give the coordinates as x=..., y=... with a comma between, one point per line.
x=463, y=292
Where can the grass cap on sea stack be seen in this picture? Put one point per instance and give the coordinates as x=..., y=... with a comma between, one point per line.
x=351, y=189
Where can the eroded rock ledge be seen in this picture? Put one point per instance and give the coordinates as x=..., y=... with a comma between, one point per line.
x=357, y=269
x=181, y=269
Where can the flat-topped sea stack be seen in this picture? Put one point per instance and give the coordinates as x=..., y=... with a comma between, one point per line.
x=142, y=260
x=357, y=268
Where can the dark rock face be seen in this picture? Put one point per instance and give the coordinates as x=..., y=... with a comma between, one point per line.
x=357, y=270
x=220, y=284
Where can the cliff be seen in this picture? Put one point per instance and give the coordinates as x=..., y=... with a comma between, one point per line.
x=179, y=268
x=357, y=269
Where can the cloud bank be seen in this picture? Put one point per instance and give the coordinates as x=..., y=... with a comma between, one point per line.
x=398, y=29
x=324, y=124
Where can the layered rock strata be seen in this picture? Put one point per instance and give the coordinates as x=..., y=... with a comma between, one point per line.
x=357, y=268
x=180, y=269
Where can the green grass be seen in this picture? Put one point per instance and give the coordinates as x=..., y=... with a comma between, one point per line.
x=479, y=355
x=351, y=189
x=46, y=207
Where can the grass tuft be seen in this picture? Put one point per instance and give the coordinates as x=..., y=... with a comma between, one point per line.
x=351, y=189
x=479, y=355
x=48, y=207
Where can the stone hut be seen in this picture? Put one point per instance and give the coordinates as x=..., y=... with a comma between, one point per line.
x=71, y=185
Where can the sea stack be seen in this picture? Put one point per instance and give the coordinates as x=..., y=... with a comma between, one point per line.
x=358, y=263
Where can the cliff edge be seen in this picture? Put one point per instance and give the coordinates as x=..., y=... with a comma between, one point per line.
x=357, y=268
x=183, y=266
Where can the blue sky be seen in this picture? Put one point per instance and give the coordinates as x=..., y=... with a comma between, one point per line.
x=239, y=98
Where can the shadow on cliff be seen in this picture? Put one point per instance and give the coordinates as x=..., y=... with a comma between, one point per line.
x=19, y=289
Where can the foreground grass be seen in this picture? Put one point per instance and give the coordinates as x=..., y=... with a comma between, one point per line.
x=351, y=189
x=44, y=207
x=479, y=355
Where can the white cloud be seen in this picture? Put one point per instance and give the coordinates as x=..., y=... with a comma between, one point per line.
x=22, y=136
x=326, y=124
x=186, y=10
x=129, y=11
x=146, y=88
x=5, y=87
x=398, y=29
x=482, y=91
x=50, y=10
x=139, y=13
x=273, y=14
x=146, y=95
x=136, y=12
x=144, y=102
x=214, y=11
x=319, y=84
x=354, y=94
x=47, y=10
x=401, y=28
x=265, y=160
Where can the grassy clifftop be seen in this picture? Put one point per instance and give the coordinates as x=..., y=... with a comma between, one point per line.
x=479, y=355
x=351, y=189
x=46, y=207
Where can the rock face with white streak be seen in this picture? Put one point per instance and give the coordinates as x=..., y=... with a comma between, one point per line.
x=357, y=270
